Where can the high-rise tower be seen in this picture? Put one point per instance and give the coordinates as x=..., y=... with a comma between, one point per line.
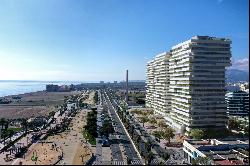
x=196, y=84
x=126, y=96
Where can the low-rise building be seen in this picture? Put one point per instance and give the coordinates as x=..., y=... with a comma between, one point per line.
x=52, y=88
x=237, y=103
x=220, y=152
x=232, y=88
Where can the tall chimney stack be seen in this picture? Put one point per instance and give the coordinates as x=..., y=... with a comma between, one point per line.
x=126, y=96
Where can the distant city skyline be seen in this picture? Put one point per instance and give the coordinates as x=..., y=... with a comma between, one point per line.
x=93, y=40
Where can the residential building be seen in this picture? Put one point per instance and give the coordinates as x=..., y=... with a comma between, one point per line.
x=197, y=82
x=149, y=84
x=52, y=88
x=245, y=87
x=157, y=96
x=232, y=88
x=196, y=85
x=237, y=103
x=219, y=152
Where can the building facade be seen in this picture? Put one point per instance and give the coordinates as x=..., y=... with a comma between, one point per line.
x=196, y=85
x=237, y=103
x=219, y=152
x=157, y=96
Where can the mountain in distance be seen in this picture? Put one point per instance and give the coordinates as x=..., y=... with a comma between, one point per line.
x=143, y=81
x=235, y=75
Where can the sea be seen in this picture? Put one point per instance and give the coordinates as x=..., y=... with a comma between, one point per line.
x=21, y=87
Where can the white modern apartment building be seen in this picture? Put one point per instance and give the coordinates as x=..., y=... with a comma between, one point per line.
x=157, y=96
x=196, y=89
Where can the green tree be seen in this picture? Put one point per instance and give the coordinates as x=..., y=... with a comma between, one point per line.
x=25, y=124
x=107, y=128
x=202, y=161
x=233, y=124
x=158, y=134
x=52, y=113
x=168, y=134
x=96, y=97
x=11, y=133
x=162, y=124
x=197, y=133
x=153, y=121
x=4, y=135
x=144, y=120
x=246, y=130
x=7, y=122
x=2, y=122
x=149, y=157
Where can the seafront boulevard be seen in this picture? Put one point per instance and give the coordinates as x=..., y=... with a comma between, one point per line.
x=59, y=141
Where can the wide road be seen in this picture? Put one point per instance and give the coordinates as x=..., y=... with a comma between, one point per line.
x=124, y=140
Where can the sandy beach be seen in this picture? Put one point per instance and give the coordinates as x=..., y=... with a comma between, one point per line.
x=33, y=104
x=70, y=143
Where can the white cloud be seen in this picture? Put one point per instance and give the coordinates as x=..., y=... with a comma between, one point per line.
x=240, y=64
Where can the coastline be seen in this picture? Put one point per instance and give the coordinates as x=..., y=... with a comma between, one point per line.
x=17, y=87
x=33, y=104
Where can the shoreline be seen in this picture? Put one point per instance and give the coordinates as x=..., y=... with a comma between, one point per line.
x=17, y=87
x=33, y=104
x=20, y=94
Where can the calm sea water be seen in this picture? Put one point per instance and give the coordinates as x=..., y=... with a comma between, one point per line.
x=20, y=87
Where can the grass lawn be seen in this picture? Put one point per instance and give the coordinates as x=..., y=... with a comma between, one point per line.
x=89, y=138
x=15, y=129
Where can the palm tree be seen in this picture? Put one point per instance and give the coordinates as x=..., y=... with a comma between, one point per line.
x=138, y=139
x=7, y=122
x=168, y=134
x=148, y=145
x=153, y=121
x=162, y=124
x=149, y=157
x=11, y=133
x=4, y=135
x=144, y=120
x=144, y=113
x=25, y=124
x=158, y=134
x=2, y=122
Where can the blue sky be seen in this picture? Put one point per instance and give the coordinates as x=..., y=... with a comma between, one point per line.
x=91, y=40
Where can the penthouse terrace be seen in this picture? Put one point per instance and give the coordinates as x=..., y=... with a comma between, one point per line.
x=221, y=152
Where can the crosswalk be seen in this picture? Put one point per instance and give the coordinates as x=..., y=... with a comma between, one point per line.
x=154, y=162
x=136, y=162
x=170, y=162
x=97, y=163
x=116, y=162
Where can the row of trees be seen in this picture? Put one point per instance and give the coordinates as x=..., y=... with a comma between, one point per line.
x=165, y=132
x=96, y=97
x=234, y=124
x=7, y=132
x=91, y=126
x=106, y=128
